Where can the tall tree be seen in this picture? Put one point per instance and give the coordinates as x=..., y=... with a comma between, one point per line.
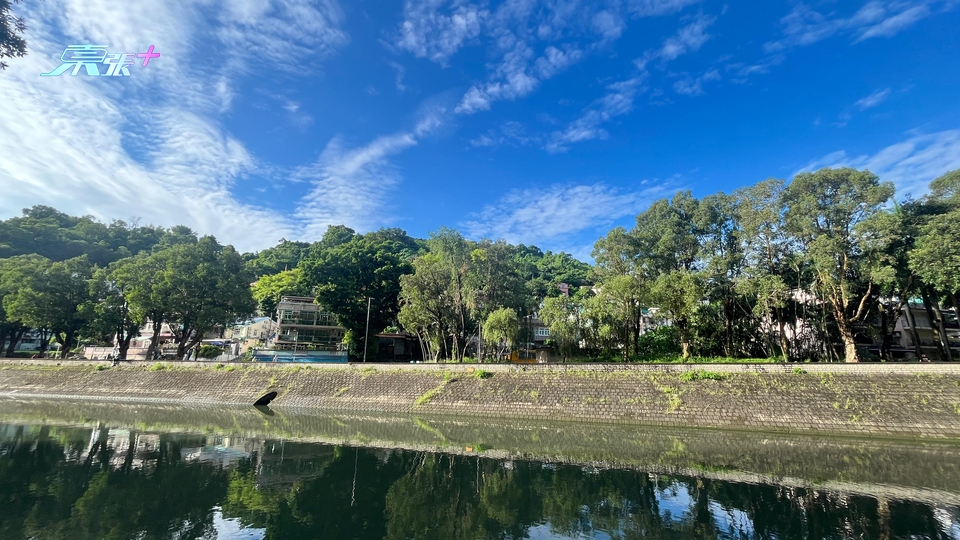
x=268, y=290
x=204, y=285
x=52, y=295
x=767, y=251
x=115, y=319
x=344, y=276
x=823, y=211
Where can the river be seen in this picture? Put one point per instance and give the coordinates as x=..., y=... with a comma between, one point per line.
x=139, y=471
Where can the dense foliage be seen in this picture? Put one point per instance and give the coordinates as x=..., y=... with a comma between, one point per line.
x=803, y=270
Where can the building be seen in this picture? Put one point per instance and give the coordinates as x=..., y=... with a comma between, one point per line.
x=400, y=347
x=914, y=321
x=302, y=325
x=253, y=333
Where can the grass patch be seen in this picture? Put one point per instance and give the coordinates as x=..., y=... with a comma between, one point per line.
x=158, y=367
x=341, y=391
x=482, y=374
x=702, y=375
x=428, y=395
x=799, y=371
x=101, y=367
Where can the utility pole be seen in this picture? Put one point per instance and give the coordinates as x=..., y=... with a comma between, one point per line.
x=367, y=332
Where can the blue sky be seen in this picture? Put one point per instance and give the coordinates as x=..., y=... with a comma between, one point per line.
x=545, y=123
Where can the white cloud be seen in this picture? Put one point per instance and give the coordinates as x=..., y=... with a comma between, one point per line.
x=694, y=87
x=910, y=164
x=877, y=18
x=398, y=78
x=688, y=39
x=620, y=96
x=351, y=185
x=555, y=213
x=652, y=8
x=535, y=41
x=510, y=133
x=617, y=101
x=151, y=147
x=430, y=33
x=873, y=99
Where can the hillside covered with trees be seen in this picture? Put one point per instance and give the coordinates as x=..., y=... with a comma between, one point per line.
x=799, y=270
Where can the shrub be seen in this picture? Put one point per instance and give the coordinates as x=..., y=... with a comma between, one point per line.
x=659, y=342
x=158, y=367
x=700, y=375
x=209, y=351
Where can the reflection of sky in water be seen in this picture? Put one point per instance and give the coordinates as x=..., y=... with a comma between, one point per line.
x=542, y=532
x=230, y=529
x=674, y=502
x=731, y=521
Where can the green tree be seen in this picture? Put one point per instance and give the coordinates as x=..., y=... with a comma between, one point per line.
x=203, y=285
x=502, y=327
x=562, y=315
x=285, y=256
x=269, y=288
x=824, y=210
x=426, y=305
x=344, y=276
x=12, y=44
x=114, y=317
x=767, y=252
x=679, y=294
x=51, y=295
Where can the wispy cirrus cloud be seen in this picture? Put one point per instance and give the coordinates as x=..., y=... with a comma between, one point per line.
x=690, y=86
x=910, y=164
x=619, y=98
x=876, y=18
x=533, y=40
x=873, y=99
x=351, y=185
x=555, y=214
x=152, y=147
x=617, y=101
x=437, y=29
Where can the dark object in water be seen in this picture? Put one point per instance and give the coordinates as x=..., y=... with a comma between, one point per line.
x=264, y=409
x=266, y=399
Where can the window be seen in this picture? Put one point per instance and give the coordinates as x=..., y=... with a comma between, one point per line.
x=542, y=332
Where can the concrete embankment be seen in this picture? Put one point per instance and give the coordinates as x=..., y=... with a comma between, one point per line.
x=919, y=400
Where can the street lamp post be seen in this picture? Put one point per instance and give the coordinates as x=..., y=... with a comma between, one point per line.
x=366, y=333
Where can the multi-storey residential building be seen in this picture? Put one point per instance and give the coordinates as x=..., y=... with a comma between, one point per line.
x=914, y=318
x=303, y=326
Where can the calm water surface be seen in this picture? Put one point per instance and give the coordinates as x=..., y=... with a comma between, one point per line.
x=103, y=482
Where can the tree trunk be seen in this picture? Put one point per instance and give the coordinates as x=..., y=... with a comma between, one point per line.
x=15, y=336
x=684, y=340
x=784, y=343
x=886, y=339
x=123, y=345
x=66, y=342
x=914, y=335
x=849, y=342
x=44, y=342
x=942, y=330
x=155, y=339
x=941, y=355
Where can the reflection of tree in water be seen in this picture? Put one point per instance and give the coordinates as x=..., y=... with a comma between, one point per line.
x=78, y=484
x=100, y=495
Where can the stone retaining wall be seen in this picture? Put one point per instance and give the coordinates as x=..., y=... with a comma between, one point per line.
x=897, y=400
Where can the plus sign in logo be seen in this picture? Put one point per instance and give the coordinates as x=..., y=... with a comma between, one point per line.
x=90, y=57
